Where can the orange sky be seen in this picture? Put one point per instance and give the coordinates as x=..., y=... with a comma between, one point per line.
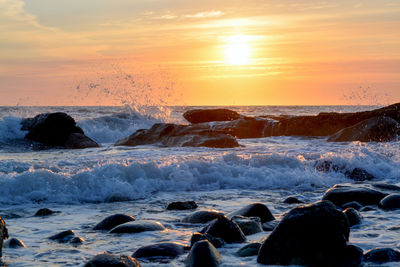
x=99, y=52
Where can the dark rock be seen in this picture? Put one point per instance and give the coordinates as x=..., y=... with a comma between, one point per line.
x=216, y=241
x=340, y=195
x=354, y=256
x=78, y=141
x=376, y=129
x=382, y=255
x=254, y=210
x=358, y=174
x=112, y=221
x=138, y=226
x=226, y=229
x=160, y=251
x=173, y=135
x=292, y=200
x=203, y=254
x=353, y=204
x=312, y=235
x=353, y=216
x=270, y=226
x=389, y=187
x=248, y=225
x=390, y=202
x=63, y=237
x=202, y=216
x=110, y=260
x=3, y=234
x=14, y=243
x=367, y=208
x=116, y=198
x=77, y=240
x=44, y=212
x=249, y=250
x=208, y=115
x=182, y=205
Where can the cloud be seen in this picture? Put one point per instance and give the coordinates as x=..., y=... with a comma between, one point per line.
x=206, y=14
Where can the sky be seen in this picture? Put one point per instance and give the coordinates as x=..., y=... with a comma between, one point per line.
x=179, y=52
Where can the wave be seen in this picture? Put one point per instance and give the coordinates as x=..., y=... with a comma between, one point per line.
x=10, y=131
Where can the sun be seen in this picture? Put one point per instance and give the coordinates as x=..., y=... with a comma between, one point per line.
x=238, y=50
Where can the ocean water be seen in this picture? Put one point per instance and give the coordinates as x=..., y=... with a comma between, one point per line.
x=80, y=183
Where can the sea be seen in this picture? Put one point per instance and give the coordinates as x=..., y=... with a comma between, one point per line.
x=81, y=184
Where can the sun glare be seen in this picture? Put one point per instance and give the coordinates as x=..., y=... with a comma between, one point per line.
x=237, y=50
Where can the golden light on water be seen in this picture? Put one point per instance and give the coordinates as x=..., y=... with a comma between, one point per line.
x=238, y=50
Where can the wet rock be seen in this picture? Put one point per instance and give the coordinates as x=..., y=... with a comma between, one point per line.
x=160, y=251
x=116, y=198
x=3, y=234
x=77, y=240
x=216, y=241
x=63, y=237
x=367, y=208
x=340, y=195
x=390, y=187
x=353, y=204
x=376, y=129
x=56, y=129
x=44, y=212
x=382, y=255
x=138, y=227
x=353, y=216
x=248, y=225
x=112, y=221
x=358, y=174
x=14, y=243
x=292, y=200
x=254, y=210
x=182, y=205
x=249, y=250
x=106, y=259
x=312, y=235
x=270, y=226
x=208, y=115
x=202, y=216
x=390, y=202
x=202, y=254
x=226, y=229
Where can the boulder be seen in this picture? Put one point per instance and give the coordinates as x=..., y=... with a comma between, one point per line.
x=216, y=241
x=382, y=255
x=202, y=216
x=203, y=254
x=138, y=227
x=106, y=259
x=3, y=234
x=112, y=221
x=340, y=195
x=64, y=236
x=356, y=174
x=353, y=204
x=254, y=210
x=312, y=235
x=160, y=251
x=390, y=202
x=55, y=129
x=270, y=226
x=182, y=205
x=248, y=225
x=353, y=216
x=77, y=241
x=292, y=200
x=226, y=229
x=14, y=243
x=44, y=212
x=208, y=115
x=376, y=129
x=249, y=250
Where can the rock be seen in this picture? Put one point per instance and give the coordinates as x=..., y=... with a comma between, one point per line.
x=55, y=129
x=106, y=259
x=14, y=243
x=254, y=210
x=270, y=226
x=249, y=250
x=226, y=229
x=203, y=254
x=159, y=251
x=353, y=204
x=182, y=205
x=390, y=202
x=376, y=129
x=382, y=255
x=248, y=225
x=63, y=237
x=202, y=216
x=208, y=115
x=138, y=226
x=112, y=221
x=292, y=200
x=353, y=216
x=367, y=208
x=173, y=135
x=312, y=235
x=116, y=198
x=3, y=234
x=44, y=212
x=390, y=187
x=356, y=174
x=216, y=241
x=340, y=195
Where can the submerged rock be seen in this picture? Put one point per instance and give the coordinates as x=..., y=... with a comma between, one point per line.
x=292, y=200
x=112, y=221
x=106, y=259
x=203, y=254
x=202, y=216
x=248, y=225
x=254, y=210
x=382, y=255
x=79, y=140
x=270, y=226
x=14, y=243
x=390, y=202
x=312, y=235
x=208, y=115
x=353, y=204
x=44, y=212
x=376, y=129
x=3, y=234
x=138, y=227
x=249, y=250
x=64, y=236
x=356, y=174
x=182, y=205
x=353, y=216
x=340, y=195
x=226, y=229
x=216, y=241
x=159, y=251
